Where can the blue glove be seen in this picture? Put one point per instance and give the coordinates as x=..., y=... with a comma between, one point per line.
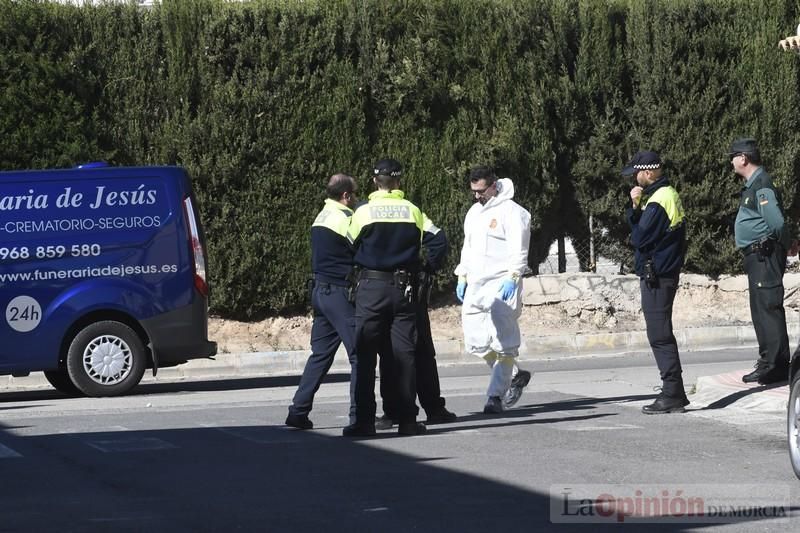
x=508, y=289
x=461, y=288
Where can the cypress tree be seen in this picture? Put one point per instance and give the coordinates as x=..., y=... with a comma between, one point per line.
x=262, y=101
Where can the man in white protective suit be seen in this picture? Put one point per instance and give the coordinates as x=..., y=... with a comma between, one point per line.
x=493, y=259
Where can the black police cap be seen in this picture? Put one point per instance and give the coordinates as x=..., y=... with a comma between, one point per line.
x=645, y=160
x=388, y=167
x=744, y=145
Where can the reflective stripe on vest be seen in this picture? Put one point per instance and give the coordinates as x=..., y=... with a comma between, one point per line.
x=388, y=207
x=335, y=217
x=668, y=199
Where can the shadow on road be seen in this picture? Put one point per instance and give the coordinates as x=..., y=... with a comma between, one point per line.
x=529, y=410
x=256, y=478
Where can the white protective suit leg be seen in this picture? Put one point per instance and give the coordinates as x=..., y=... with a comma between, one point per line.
x=502, y=369
x=488, y=322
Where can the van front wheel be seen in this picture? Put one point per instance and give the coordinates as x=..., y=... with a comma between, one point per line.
x=106, y=359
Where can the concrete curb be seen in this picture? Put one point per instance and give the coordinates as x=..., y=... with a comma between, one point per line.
x=449, y=352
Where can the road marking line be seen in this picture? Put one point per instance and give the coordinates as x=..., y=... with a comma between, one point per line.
x=135, y=444
x=452, y=433
x=600, y=428
x=246, y=435
x=737, y=417
x=120, y=519
x=6, y=452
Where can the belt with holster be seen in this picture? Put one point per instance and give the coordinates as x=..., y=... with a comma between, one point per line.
x=404, y=280
x=763, y=248
x=650, y=276
x=397, y=277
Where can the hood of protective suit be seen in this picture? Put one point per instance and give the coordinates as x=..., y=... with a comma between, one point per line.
x=505, y=191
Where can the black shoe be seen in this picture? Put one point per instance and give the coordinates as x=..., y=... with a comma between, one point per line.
x=666, y=404
x=514, y=392
x=776, y=375
x=756, y=374
x=384, y=422
x=299, y=421
x=411, y=428
x=494, y=406
x=358, y=430
x=441, y=416
x=522, y=379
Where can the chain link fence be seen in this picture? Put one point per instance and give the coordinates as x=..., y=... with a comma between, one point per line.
x=601, y=254
x=595, y=253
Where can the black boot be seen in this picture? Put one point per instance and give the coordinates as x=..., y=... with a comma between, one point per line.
x=778, y=374
x=299, y=421
x=359, y=430
x=384, y=422
x=755, y=375
x=411, y=428
x=666, y=404
x=440, y=416
x=494, y=406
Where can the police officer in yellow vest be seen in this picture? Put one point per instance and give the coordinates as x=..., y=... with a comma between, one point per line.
x=762, y=238
x=332, y=264
x=658, y=235
x=387, y=234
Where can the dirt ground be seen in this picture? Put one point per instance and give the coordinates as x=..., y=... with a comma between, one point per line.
x=693, y=308
x=293, y=333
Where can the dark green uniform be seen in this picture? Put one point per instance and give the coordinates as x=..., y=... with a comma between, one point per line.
x=761, y=237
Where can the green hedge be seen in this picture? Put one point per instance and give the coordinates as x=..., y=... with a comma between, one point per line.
x=262, y=101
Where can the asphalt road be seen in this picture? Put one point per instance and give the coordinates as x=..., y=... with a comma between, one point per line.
x=214, y=456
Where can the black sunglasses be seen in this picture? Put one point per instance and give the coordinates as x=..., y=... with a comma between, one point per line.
x=480, y=191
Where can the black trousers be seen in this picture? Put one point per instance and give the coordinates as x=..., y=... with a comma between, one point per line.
x=386, y=323
x=428, y=387
x=765, y=287
x=657, y=302
x=334, y=323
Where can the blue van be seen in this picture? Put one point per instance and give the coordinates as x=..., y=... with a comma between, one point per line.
x=102, y=275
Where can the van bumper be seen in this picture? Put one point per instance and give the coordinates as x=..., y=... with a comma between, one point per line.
x=180, y=335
